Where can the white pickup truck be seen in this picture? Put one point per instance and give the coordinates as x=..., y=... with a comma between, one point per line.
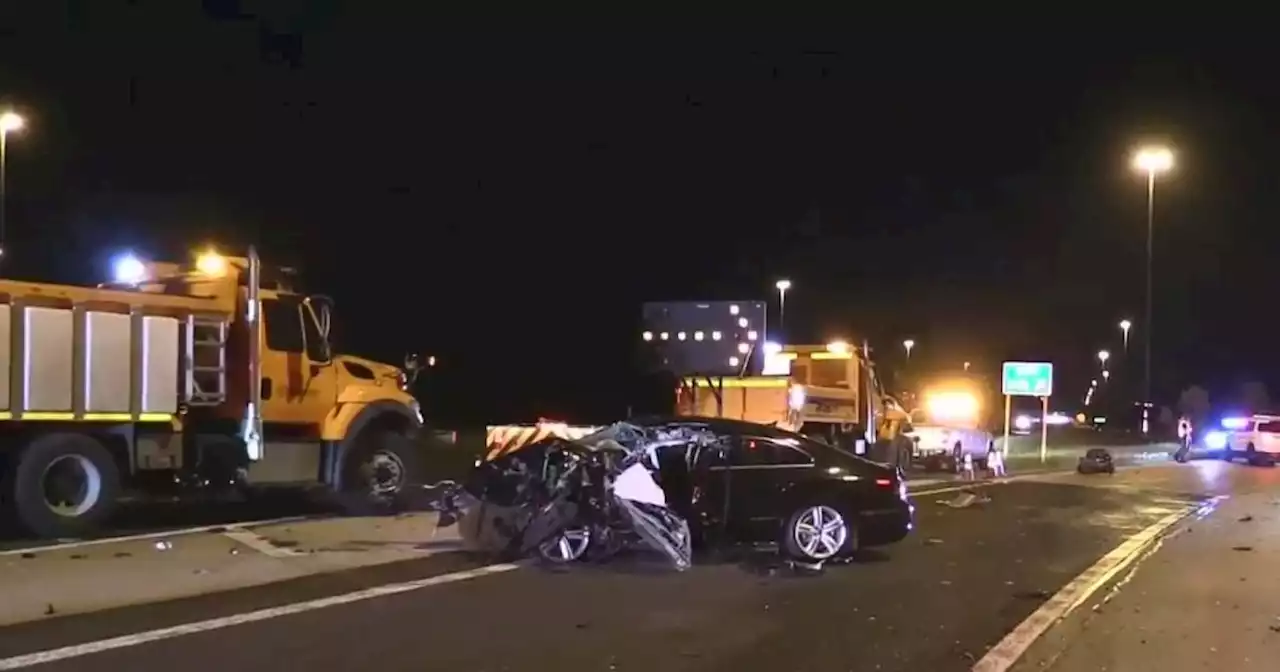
x=944, y=447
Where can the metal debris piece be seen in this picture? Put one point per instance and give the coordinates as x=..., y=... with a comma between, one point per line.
x=1246, y=519
x=932, y=541
x=164, y=545
x=965, y=499
x=1242, y=548
x=805, y=568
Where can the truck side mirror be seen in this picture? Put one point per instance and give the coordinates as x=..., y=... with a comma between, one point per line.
x=415, y=363
x=317, y=335
x=322, y=307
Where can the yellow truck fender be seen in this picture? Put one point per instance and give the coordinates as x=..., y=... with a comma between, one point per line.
x=349, y=421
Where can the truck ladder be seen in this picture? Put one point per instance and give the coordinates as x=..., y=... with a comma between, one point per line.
x=205, y=363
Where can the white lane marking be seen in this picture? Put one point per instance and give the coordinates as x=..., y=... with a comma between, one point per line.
x=136, y=639
x=259, y=543
x=81, y=543
x=1015, y=644
x=964, y=485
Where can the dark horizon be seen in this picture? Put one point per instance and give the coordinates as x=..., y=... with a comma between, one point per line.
x=507, y=203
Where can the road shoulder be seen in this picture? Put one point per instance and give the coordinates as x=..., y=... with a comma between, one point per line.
x=1203, y=599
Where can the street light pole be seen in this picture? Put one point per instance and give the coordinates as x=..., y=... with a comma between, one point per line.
x=9, y=122
x=783, y=286
x=1125, y=325
x=1146, y=349
x=1150, y=160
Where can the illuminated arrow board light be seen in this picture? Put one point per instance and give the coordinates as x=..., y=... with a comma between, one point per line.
x=1027, y=379
x=711, y=338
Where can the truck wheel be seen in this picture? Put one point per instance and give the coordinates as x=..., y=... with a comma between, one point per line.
x=63, y=485
x=380, y=468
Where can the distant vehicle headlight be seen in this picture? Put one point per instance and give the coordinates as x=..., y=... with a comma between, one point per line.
x=1215, y=440
x=1022, y=422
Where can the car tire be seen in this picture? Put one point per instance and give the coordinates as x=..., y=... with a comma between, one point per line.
x=571, y=545
x=87, y=459
x=840, y=538
x=1251, y=455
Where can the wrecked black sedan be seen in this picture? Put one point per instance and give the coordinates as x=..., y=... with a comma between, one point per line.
x=671, y=484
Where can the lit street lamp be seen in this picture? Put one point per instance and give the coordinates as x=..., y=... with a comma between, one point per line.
x=9, y=123
x=783, y=286
x=1152, y=161
x=908, y=344
x=1125, y=326
x=1103, y=356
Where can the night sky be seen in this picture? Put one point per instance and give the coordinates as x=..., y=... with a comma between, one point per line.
x=506, y=200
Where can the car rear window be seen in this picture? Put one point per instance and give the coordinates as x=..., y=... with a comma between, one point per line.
x=1270, y=427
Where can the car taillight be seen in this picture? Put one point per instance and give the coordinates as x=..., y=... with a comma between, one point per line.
x=889, y=483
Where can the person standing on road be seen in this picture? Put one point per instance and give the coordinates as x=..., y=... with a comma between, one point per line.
x=995, y=462
x=1184, y=439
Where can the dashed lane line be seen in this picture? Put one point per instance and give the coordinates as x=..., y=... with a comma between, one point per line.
x=259, y=543
x=160, y=534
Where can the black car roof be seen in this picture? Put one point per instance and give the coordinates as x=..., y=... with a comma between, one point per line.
x=828, y=453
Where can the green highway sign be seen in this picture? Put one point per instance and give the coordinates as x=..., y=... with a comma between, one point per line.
x=1027, y=379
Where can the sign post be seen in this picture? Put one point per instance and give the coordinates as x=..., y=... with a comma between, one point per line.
x=1044, y=430
x=1028, y=379
x=1008, y=410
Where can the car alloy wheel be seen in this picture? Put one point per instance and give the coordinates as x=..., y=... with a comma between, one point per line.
x=568, y=546
x=820, y=532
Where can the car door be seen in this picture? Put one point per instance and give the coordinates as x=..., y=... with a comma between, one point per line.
x=299, y=384
x=755, y=478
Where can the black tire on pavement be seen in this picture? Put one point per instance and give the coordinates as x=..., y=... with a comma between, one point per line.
x=90, y=470
x=792, y=549
x=379, y=472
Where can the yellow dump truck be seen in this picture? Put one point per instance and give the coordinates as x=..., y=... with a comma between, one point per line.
x=829, y=390
x=216, y=372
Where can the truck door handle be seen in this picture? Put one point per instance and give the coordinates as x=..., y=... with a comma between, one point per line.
x=266, y=388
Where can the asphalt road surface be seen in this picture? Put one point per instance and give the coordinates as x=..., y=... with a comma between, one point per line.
x=1205, y=600
x=152, y=518
x=947, y=598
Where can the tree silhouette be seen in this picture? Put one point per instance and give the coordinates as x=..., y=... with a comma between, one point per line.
x=1252, y=394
